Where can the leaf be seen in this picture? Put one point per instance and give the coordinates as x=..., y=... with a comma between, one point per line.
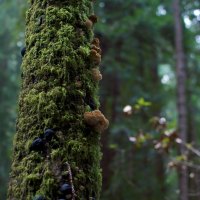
x=141, y=102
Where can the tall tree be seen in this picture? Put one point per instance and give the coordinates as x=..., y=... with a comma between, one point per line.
x=181, y=94
x=56, y=149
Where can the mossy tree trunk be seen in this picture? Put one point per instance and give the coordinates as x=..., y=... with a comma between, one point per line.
x=59, y=92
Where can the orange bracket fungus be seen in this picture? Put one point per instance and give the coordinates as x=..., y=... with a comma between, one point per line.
x=96, y=120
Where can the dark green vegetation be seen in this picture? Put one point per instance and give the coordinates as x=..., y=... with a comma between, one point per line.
x=138, y=48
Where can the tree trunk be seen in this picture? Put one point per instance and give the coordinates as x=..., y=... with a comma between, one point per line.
x=181, y=95
x=59, y=93
x=108, y=153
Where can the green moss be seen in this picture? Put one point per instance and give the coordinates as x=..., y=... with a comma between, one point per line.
x=58, y=50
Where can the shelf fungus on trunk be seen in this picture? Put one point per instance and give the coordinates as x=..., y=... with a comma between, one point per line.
x=95, y=53
x=95, y=57
x=96, y=74
x=93, y=18
x=91, y=21
x=96, y=120
x=96, y=45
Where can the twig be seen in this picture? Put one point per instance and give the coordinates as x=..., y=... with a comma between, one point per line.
x=71, y=181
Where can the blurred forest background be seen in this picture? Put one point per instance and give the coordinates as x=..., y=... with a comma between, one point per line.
x=141, y=88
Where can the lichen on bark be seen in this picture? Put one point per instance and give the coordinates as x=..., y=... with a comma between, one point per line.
x=56, y=79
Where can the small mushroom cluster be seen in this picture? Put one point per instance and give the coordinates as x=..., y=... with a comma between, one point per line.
x=96, y=74
x=95, y=53
x=96, y=120
x=39, y=143
x=91, y=21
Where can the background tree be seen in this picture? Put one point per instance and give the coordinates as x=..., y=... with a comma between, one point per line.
x=181, y=95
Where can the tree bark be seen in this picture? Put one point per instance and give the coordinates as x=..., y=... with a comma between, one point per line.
x=58, y=92
x=181, y=95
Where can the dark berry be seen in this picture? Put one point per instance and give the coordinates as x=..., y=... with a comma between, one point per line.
x=48, y=134
x=66, y=189
x=37, y=145
x=23, y=51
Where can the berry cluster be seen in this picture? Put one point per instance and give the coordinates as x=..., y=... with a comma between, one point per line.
x=39, y=143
